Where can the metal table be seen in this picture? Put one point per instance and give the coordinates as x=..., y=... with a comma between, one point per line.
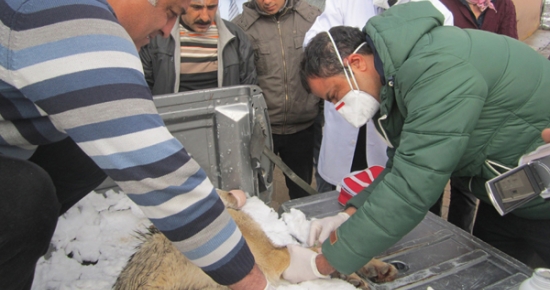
x=435, y=254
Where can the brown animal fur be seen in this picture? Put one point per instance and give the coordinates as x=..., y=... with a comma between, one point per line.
x=157, y=264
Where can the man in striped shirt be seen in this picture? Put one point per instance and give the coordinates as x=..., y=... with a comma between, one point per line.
x=74, y=104
x=202, y=52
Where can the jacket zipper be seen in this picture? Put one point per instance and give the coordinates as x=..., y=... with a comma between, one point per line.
x=284, y=75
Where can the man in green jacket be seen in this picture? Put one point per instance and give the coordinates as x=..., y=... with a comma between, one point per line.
x=449, y=102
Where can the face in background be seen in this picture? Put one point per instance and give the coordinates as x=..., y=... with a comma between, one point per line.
x=143, y=21
x=270, y=7
x=200, y=14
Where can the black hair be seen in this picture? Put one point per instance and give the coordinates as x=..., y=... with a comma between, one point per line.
x=321, y=61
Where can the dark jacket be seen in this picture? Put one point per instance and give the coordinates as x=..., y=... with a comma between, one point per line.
x=454, y=102
x=502, y=22
x=161, y=59
x=277, y=42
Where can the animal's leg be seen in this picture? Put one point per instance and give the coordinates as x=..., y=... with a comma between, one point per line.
x=158, y=265
x=234, y=199
x=272, y=260
x=353, y=279
x=379, y=271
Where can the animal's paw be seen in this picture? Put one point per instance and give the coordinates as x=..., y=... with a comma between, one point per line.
x=234, y=199
x=378, y=271
x=353, y=279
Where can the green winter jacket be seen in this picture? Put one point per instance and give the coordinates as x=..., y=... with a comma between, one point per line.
x=452, y=101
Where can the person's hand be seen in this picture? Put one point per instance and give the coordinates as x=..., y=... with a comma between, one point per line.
x=546, y=135
x=320, y=229
x=253, y=281
x=302, y=265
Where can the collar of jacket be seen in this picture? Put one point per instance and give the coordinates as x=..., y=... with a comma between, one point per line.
x=250, y=12
x=378, y=65
x=386, y=92
x=224, y=36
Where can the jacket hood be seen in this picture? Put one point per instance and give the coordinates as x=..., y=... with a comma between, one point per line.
x=398, y=30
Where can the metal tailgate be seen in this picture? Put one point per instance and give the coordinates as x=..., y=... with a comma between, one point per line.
x=225, y=131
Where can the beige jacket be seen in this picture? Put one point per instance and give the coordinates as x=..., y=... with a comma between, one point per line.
x=277, y=42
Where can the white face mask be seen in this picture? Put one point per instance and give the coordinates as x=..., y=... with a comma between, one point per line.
x=357, y=107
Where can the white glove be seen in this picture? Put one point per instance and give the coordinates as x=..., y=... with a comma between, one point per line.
x=302, y=265
x=321, y=229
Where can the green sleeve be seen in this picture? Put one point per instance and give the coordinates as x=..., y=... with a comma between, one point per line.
x=441, y=99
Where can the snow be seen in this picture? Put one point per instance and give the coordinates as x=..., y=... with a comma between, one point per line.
x=95, y=238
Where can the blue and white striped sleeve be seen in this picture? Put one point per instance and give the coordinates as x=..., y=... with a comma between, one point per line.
x=79, y=67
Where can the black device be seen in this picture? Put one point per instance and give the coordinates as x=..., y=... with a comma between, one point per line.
x=522, y=184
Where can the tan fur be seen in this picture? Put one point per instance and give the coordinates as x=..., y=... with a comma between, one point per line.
x=157, y=264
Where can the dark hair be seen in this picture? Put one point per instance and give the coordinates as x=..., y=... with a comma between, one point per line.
x=321, y=61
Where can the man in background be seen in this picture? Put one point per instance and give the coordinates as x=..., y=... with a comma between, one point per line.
x=203, y=51
x=74, y=108
x=276, y=29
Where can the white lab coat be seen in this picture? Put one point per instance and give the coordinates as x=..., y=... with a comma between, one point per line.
x=339, y=137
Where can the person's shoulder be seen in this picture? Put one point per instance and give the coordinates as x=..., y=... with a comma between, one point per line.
x=247, y=18
x=234, y=28
x=307, y=11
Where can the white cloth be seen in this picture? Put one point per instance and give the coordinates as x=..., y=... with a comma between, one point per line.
x=339, y=137
x=224, y=7
x=233, y=9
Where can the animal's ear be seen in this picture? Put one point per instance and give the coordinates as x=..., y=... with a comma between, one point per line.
x=234, y=199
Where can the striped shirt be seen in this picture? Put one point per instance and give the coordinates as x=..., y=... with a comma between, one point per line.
x=67, y=68
x=199, y=59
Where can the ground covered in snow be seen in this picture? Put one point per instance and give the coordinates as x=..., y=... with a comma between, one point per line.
x=95, y=238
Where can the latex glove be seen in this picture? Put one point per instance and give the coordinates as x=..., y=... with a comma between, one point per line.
x=302, y=265
x=320, y=229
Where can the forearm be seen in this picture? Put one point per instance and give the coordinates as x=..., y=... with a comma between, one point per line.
x=350, y=210
x=323, y=266
x=253, y=281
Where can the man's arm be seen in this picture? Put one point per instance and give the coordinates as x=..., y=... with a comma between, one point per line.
x=98, y=96
x=508, y=22
x=247, y=67
x=430, y=146
x=253, y=281
x=545, y=134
